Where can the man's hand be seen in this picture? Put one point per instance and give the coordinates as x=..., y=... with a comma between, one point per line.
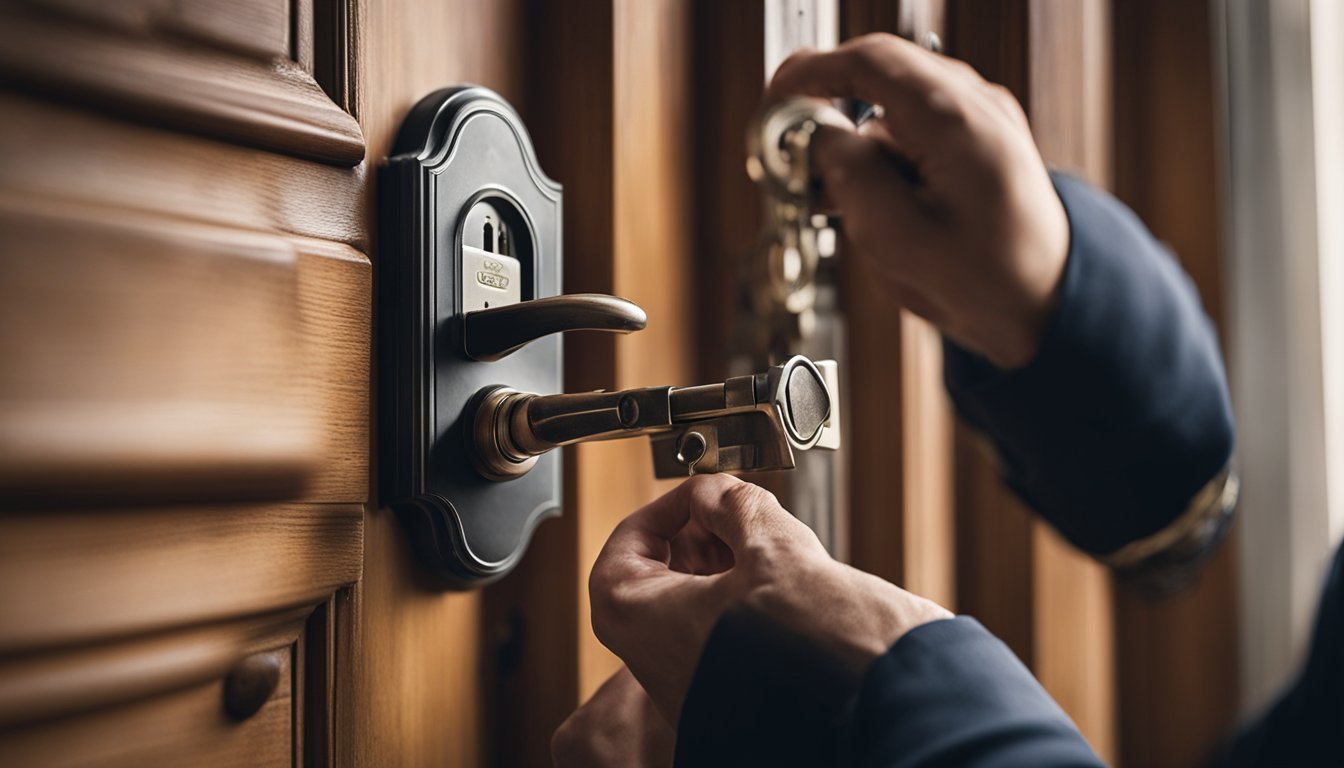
x=670, y=570
x=617, y=728
x=945, y=194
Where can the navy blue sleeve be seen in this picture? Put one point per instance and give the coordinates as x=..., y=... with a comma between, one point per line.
x=950, y=693
x=1123, y=415
x=1302, y=727
x=947, y=693
x=763, y=695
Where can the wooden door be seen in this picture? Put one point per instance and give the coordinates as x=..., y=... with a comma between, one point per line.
x=188, y=259
x=188, y=254
x=184, y=397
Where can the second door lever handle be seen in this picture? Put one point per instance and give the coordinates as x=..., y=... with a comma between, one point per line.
x=490, y=334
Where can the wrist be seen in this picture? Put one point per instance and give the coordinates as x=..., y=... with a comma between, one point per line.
x=1007, y=325
x=1011, y=339
x=855, y=617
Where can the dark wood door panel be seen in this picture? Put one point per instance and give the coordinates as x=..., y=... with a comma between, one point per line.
x=184, y=409
x=70, y=155
x=225, y=695
x=73, y=576
x=169, y=360
x=156, y=359
x=239, y=71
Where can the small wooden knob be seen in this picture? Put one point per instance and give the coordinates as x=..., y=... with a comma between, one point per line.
x=250, y=683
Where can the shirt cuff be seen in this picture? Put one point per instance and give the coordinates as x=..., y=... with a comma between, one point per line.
x=763, y=695
x=950, y=693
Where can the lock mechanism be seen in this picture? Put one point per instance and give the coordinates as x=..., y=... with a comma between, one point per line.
x=780, y=284
x=470, y=324
x=745, y=424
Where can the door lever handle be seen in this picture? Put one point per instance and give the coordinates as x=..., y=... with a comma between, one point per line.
x=490, y=334
x=747, y=423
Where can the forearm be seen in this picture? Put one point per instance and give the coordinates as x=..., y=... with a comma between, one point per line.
x=1123, y=417
x=948, y=692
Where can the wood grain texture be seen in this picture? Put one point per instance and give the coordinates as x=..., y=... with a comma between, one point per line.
x=261, y=28
x=903, y=516
x=1054, y=56
x=1074, y=611
x=876, y=443
x=335, y=298
x=187, y=727
x=994, y=528
x=67, y=155
x=168, y=360
x=45, y=685
x=73, y=576
x=930, y=521
x=169, y=692
x=156, y=360
x=152, y=69
x=257, y=27
x=729, y=76
x=994, y=546
x=1177, y=657
x=189, y=323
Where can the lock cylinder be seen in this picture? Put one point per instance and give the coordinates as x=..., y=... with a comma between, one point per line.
x=495, y=244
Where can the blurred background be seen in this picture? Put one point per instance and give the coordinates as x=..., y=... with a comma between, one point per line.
x=188, y=261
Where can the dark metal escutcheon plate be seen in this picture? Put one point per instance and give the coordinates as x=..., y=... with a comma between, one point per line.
x=459, y=146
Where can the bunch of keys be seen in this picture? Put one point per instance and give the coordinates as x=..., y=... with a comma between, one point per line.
x=781, y=286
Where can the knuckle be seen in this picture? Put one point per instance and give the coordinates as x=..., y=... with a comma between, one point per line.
x=563, y=738
x=606, y=603
x=567, y=744
x=710, y=482
x=747, y=497
x=600, y=581
x=947, y=107
x=874, y=41
x=1006, y=98
x=796, y=57
x=966, y=70
x=871, y=51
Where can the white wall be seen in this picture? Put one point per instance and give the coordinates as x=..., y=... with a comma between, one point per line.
x=1327, y=64
x=1282, y=172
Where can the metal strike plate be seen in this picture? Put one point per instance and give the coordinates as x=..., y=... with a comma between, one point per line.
x=462, y=161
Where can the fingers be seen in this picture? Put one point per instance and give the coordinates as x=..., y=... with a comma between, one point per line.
x=745, y=517
x=698, y=552
x=647, y=533
x=921, y=97
x=693, y=531
x=643, y=543
x=865, y=180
